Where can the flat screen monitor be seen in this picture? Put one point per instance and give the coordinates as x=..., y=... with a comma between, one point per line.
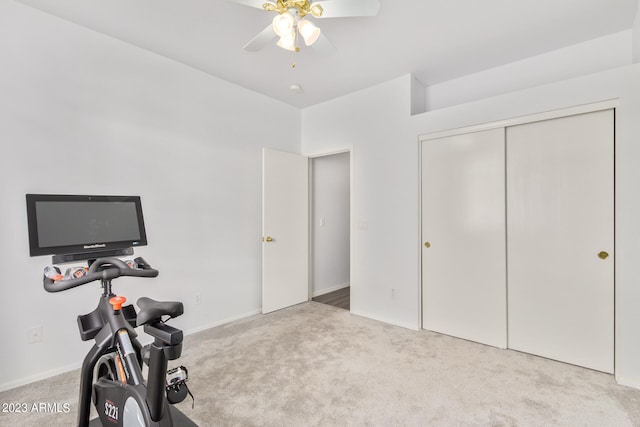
x=84, y=226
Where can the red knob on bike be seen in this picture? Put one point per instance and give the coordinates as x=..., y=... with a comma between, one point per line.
x=117, y=302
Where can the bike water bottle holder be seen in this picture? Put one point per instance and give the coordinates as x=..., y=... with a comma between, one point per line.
x=90, y=324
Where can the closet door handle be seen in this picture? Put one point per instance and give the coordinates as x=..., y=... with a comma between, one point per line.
x=603, y=255
x=427, y=245
x=268, y=239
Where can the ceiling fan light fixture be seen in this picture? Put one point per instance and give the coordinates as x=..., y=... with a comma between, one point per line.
x=316, y=10
x=283, y=24
x=288, y=41
x=308, y=31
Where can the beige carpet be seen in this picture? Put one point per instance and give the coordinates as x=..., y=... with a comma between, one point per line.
x=316, y=365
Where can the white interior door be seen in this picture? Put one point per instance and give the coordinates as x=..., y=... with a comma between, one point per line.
x=560, y=225
x=463, y=225
x=285, y=230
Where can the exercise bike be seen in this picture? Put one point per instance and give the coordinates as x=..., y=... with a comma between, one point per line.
x=111, y=373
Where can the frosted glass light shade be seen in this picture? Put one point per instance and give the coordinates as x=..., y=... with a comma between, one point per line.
x=308, y=31
x=283, y=24
x=287, y=41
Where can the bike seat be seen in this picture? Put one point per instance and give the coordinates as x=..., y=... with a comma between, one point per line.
x=152, y=310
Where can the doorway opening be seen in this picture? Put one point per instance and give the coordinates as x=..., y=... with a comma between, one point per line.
x=330, y=231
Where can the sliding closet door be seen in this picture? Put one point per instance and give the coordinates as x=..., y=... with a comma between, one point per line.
x=560, y=239
x=463, y=229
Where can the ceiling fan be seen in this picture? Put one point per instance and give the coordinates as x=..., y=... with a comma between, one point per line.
x=291, y=21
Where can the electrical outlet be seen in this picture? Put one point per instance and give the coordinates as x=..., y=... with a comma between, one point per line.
x=393, y=292
x=198, y=298
x=35, y=334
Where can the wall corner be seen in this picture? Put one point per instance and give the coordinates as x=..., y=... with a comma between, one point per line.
x=635, y=42
x=418, y=97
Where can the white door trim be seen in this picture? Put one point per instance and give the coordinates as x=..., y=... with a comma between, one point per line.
x=530, y=118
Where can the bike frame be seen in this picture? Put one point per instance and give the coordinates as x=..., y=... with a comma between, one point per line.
x=116, y=333
x=124, y=397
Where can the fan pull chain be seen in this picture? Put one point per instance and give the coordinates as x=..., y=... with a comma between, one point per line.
x=295, y=50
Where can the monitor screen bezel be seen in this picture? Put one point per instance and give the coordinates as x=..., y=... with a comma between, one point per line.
x=85, y=247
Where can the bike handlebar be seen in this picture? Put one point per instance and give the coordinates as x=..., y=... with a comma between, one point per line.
x=114, y=268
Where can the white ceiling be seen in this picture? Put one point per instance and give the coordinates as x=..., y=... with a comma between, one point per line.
x=436, y=40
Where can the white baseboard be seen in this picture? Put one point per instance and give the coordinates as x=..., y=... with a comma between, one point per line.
x=627, y=382
x=73, y=366
x=39, y=376
x=222, y=322
x=331, y=289
x=387, y=321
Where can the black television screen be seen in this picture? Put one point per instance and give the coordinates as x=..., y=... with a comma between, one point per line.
x=74, y=224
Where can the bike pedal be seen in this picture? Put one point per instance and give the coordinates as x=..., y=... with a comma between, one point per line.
x=176, y=385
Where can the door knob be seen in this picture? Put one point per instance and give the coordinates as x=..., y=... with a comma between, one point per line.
x=427, y=245
x=603, y=255
x=267, y=239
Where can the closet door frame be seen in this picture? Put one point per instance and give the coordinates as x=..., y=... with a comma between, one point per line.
x=531, y=118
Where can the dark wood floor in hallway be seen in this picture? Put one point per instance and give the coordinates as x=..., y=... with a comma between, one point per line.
x=340, y=298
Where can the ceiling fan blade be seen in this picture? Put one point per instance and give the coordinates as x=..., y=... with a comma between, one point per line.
x=341, y=8
x=261, y=40
x=252, y=3
x=323, y=46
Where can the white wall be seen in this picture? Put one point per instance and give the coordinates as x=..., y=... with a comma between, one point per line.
x=330, y=197
x=636, y=36
x=386, y=245
x=82, y=113
x=604, y=53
